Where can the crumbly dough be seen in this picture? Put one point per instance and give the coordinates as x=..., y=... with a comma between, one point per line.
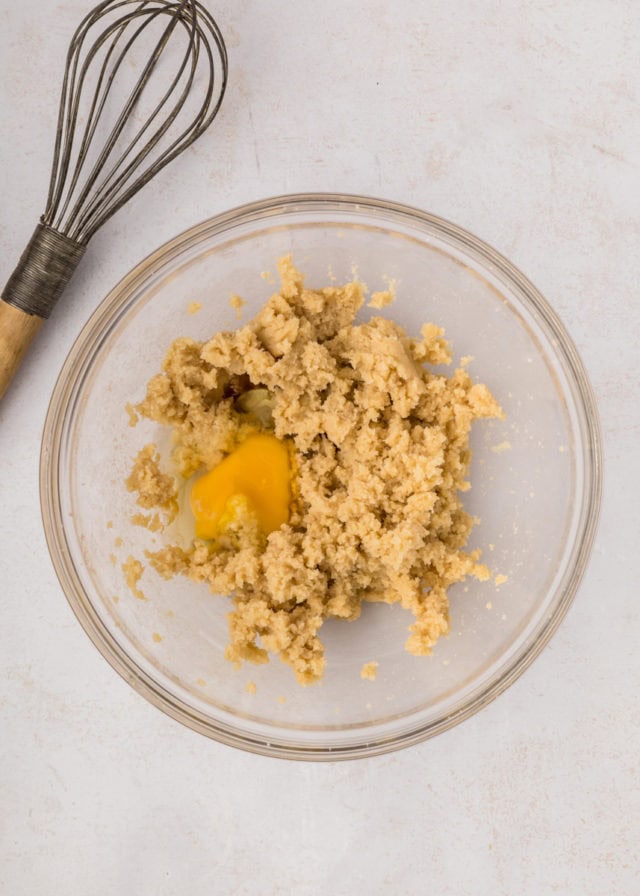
x=381, y=454
x=153, y=487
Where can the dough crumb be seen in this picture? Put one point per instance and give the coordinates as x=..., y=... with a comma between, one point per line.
x=152, y=522
x=238, y=304
x=466, y=360
x=369, y=671
x=115, y=599
x=117, y=542
x=193, y=307
x=133, y=570
x=500, y=580
x=113, y=559
x=134, y=419
x=282, y=699
x=503, y=446
x=380, y=300
x=489, y=605
x=154, y=488
x=250, y=687
x=109, y=524
x=201, y=682
x=384, y=297
x=156, y=637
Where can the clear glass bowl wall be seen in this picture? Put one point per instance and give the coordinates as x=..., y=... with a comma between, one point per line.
x=535, y=480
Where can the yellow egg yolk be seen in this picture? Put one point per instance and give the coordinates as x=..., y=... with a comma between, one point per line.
x=258, y=473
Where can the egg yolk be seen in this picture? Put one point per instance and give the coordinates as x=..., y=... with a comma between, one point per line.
x=257, y=474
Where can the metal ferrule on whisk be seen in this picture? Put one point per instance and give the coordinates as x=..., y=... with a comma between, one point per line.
x=44, y=269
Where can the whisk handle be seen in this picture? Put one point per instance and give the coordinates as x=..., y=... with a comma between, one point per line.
x=17, y=332
x=42, y=273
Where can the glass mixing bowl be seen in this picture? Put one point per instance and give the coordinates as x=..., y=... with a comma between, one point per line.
x=535, y=477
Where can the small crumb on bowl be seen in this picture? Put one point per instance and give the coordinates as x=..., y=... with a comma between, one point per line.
x=152, y=522
x=109, y=524
x=502, y=447
x=118, y=542
x=489, y=605
x=237, y=303
x=282, y=699
x=500, y=580
x=156, y=637
x=250, y=687
x=133, y=570
x=115, y=599
x=201, y=682
x=134, y=419
x=466, y=360
x=369, y=671
x=383, y=298
x=113, y=559
x=193, y=307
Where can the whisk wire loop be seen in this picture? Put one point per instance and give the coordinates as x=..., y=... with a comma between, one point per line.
x=83, y=196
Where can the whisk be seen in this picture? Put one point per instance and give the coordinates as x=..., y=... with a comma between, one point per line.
x=102, y=159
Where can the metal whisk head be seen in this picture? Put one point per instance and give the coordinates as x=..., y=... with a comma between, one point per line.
x=98, y=166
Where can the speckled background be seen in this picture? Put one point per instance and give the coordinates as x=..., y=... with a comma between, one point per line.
x=519, y=121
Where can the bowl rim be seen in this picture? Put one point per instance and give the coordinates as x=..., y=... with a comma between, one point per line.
x=84, y=347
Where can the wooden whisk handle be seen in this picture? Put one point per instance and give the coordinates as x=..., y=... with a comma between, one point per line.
x=17, y=332
x=42, y=273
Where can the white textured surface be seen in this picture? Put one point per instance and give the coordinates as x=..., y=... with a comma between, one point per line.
x=520, y=122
